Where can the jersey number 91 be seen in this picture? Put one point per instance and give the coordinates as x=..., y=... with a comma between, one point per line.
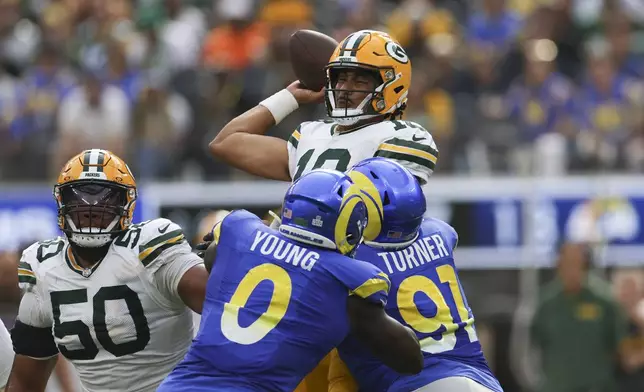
x=451, y=312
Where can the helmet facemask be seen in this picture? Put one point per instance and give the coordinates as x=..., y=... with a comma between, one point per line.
x=92, y=213
x=373, y=103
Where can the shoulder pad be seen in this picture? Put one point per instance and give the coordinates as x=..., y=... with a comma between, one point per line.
x=451, y=231
x=151, y=238
x=34, y=256
x=412, y=146
x=241, y=223
x=27, y=267
x=237, y=219
x=311, y=126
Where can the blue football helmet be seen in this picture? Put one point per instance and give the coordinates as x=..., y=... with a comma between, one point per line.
x=324, y=208
x=394, y=200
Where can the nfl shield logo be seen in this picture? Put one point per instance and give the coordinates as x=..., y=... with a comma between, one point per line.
x=317, y=222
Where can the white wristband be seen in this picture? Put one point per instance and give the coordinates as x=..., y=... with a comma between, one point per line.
x=280, y=104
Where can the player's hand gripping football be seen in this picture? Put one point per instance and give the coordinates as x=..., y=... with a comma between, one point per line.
x=303, y=95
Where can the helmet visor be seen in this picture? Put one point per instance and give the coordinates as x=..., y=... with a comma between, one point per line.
x=93, y=208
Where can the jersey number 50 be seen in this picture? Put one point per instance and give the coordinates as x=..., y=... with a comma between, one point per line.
x=267, y=321
x=444, y=321
x=78, y=328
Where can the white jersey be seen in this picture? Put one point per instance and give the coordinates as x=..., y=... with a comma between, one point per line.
x=317, y=144
x=120, y=323
x=6, y=355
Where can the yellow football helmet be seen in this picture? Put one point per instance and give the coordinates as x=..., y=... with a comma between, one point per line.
x=96, y=193
x=376, y=52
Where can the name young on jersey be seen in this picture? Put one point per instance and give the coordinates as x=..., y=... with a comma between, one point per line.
x=270, y=245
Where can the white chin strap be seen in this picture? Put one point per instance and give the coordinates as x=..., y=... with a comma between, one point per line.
x=91, y=237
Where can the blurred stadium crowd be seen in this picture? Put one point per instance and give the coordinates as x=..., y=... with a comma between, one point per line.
x=515, y=87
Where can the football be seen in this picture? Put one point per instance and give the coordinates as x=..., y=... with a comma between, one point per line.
x=310, y=52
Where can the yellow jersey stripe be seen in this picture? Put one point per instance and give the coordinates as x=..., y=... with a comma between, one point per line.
x=408, y=151
x=294, y=139
x=385, y=277
x=146, y=252
x=216, y=232
x=24, y=272
x=371, y=286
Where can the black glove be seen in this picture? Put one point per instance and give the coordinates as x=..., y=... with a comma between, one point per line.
x=202, y=246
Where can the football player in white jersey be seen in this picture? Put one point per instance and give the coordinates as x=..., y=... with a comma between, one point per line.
x=113, y=297
x=368, y=78
x=6, y=355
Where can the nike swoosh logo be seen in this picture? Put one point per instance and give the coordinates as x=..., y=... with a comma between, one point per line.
x=414, y=138
x=164, y=228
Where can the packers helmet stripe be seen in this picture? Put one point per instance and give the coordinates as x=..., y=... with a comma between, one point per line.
x=344, y=44
x=100, y=161
x=352, y=43
x=151, y=256
x=93, y=161
x=86, y=160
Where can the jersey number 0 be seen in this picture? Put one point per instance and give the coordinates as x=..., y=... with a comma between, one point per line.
x=267, y=321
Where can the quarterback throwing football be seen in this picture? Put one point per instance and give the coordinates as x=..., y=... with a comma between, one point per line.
x=113, y=297
x=368, y=78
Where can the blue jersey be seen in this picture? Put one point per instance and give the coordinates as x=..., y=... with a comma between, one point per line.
x=425, y=295
x=274, y=308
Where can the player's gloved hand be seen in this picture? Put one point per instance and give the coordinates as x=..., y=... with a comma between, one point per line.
x=202, y=246
x=303, y=95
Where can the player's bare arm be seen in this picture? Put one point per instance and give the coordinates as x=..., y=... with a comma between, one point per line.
x=29, y=374
x=243, y=142
x=33, y=343
x=192, y=287
x=394, y=344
